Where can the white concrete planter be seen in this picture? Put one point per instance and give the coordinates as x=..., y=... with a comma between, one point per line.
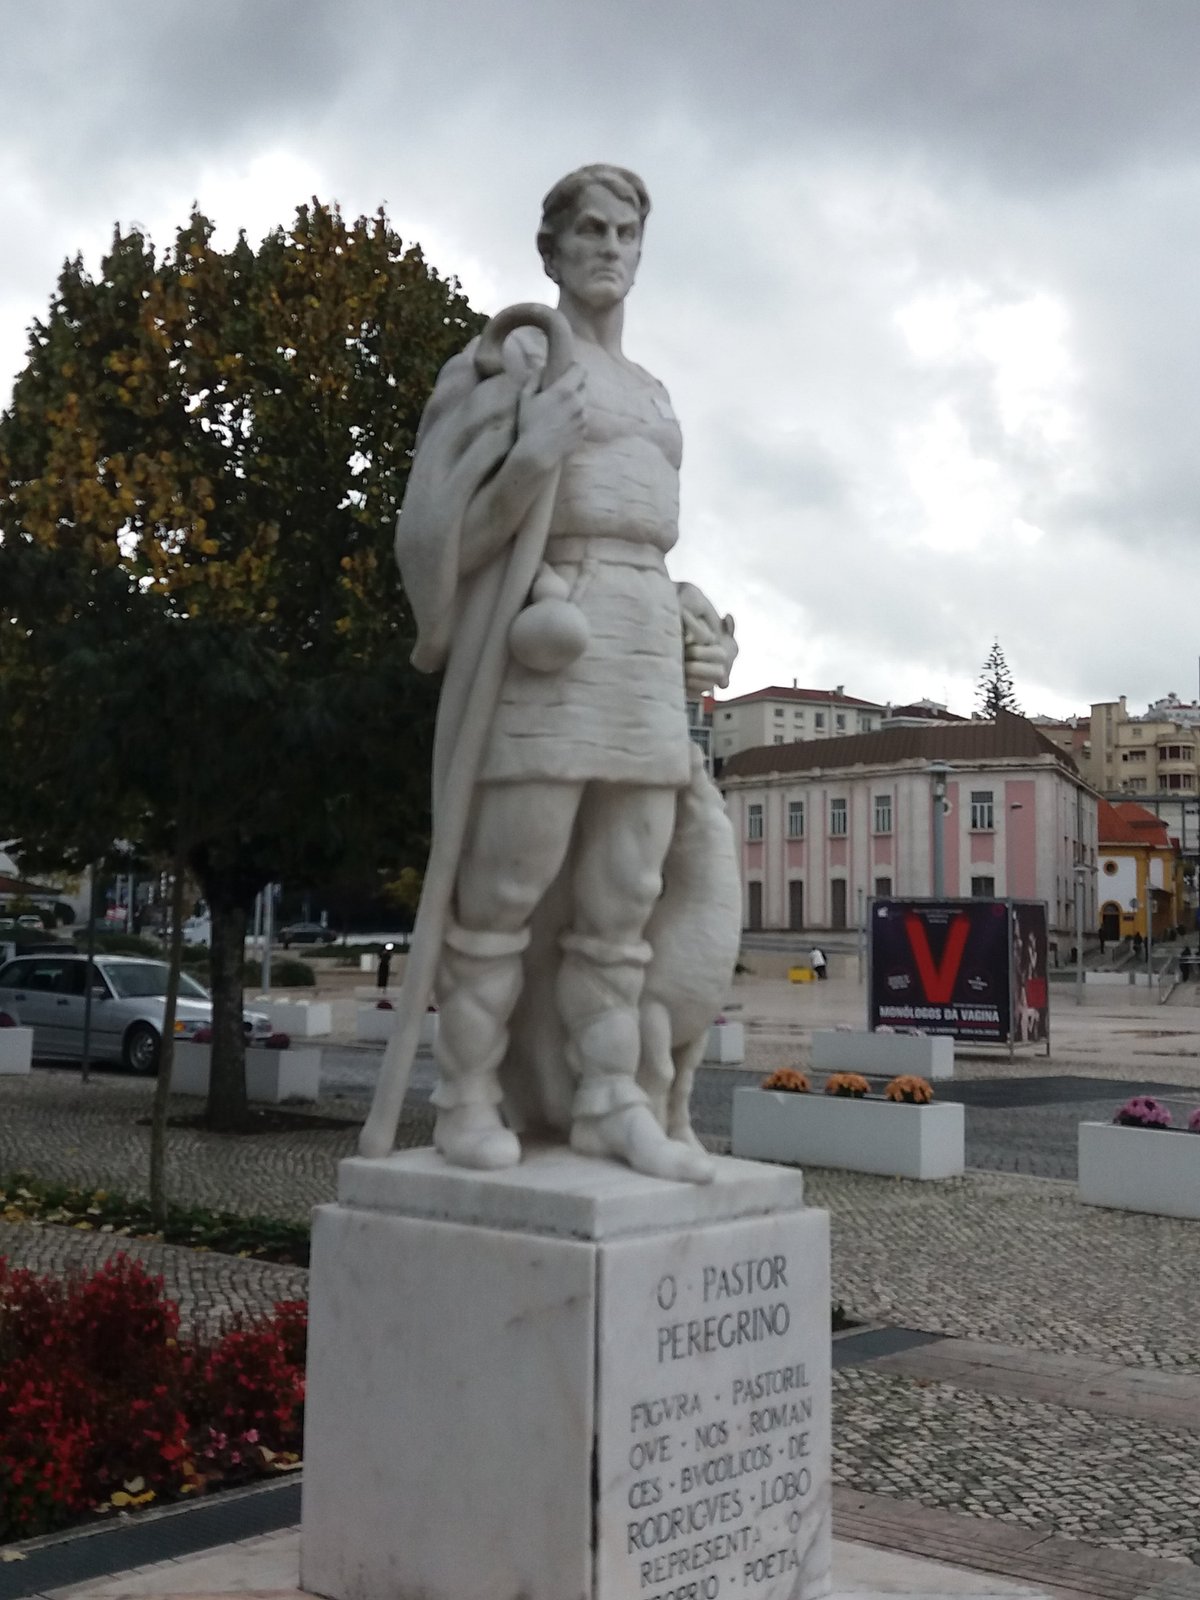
x=726, y=1043
x=16, y=1050
x=299, y=1019
x=821, y=1130
x=272, y=1076
x=890, y=1055
x=376, y=1024
x=1140, y=1169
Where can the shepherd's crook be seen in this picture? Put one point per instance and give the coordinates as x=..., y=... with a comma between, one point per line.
x=529, y=545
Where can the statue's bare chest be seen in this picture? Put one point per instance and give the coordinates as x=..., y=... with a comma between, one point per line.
x=623, y=402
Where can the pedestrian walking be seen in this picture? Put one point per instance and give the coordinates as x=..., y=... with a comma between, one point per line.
x=384, y=967
x=817, y=962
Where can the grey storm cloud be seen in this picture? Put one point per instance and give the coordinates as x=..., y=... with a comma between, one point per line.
x=918, y=272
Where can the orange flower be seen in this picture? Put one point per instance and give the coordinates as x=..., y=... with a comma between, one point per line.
x=787, y=1078
x=851, y=1085
x=912, y=1091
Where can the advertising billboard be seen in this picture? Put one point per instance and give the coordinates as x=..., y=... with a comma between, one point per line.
x=974, y=970
x=1031, y=987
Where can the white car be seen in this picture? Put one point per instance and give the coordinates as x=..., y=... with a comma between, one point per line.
x=46, y=991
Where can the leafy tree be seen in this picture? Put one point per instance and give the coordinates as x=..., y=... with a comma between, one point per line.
x=995, y=687
x=205, y=643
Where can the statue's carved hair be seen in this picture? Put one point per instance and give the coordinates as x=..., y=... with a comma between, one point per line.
x=559, y=205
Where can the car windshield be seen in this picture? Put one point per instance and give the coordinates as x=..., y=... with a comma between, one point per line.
x=135, y=979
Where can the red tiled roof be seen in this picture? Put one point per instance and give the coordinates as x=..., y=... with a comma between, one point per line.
x=1009, y=736
x=824, y=696
x=1126, y=822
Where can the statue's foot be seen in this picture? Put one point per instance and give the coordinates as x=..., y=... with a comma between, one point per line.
x=632, y=1135
x=474, y=1136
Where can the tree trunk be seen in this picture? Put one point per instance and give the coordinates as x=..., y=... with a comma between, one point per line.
x=227, y=1080
x=166, y=1055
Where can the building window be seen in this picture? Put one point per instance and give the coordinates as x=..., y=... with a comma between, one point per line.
x=778, y=711
x=982, y=816
x=778, y=738
x=837, y=818
x=1135, y=785
x=883, y=888
x=1177, y=780
x=795, y=819
x=754, y=822
x=818, y=719
x=983, y=888
x=864, y=724
x=883, y=813
x=1134, y=755
x=727, y=716
x=840, y=722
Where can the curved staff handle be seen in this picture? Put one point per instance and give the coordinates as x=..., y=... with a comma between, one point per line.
x=378, y=1134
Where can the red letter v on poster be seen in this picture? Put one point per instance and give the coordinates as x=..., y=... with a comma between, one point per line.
x=937, y=981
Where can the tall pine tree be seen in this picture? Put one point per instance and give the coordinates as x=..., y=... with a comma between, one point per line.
x=995, y=687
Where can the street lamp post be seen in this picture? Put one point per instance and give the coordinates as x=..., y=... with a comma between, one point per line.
x=938, y=771
x=1149, y=928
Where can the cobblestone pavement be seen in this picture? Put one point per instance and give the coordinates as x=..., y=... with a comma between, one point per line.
x=1106, y=1480
x=1012, y=1260
x=1016, y=1260
x=210, y=1289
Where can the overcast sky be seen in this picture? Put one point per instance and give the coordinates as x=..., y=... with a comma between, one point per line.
x=920, y=274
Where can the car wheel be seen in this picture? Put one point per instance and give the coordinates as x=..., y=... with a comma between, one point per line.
x=141, y=1048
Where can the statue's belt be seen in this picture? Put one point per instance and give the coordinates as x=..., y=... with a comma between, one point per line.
x=566, y=549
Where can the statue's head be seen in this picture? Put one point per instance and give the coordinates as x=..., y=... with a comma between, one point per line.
x=561, y=207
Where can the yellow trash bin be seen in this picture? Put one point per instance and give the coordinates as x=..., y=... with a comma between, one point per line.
x=800, y=974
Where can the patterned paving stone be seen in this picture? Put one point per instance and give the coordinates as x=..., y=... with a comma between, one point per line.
x=209, y=1288
x=1018, y=1261
x=1111, y=1482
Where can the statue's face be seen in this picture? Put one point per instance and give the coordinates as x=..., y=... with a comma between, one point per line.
x=596, y=255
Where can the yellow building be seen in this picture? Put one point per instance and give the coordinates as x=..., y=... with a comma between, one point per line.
x=1140, y=864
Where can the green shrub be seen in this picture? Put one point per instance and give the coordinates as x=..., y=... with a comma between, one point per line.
x=286, y=973
x=292, y=974
x=122, y=944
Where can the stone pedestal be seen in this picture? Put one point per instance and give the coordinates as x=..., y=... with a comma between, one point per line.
x=567, y=1382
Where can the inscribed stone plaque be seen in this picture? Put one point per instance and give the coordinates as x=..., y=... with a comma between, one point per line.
x=713, y=1420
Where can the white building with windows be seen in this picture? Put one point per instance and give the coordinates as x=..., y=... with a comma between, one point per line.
x=783, y=716
x=823, y=828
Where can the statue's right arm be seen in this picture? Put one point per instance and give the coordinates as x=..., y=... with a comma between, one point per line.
x=546, y=427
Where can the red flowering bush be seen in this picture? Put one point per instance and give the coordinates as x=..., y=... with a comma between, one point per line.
x=43, y=1455
x=252, y=1399
x=102, y=1404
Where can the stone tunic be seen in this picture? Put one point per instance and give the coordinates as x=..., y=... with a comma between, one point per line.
x=618, y=713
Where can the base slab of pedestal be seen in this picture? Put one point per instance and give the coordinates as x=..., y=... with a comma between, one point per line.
x=598, y=1398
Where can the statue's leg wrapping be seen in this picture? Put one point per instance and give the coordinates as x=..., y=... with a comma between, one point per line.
x=599, y=988
x=479, y=982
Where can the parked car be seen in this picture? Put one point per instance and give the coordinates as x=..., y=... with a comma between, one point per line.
x=47, y=992
x=305, y=933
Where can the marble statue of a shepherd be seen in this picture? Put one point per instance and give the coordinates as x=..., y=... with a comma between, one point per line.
x=552, y=1017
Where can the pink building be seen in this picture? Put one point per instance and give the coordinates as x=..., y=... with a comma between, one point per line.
x=825, y=826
